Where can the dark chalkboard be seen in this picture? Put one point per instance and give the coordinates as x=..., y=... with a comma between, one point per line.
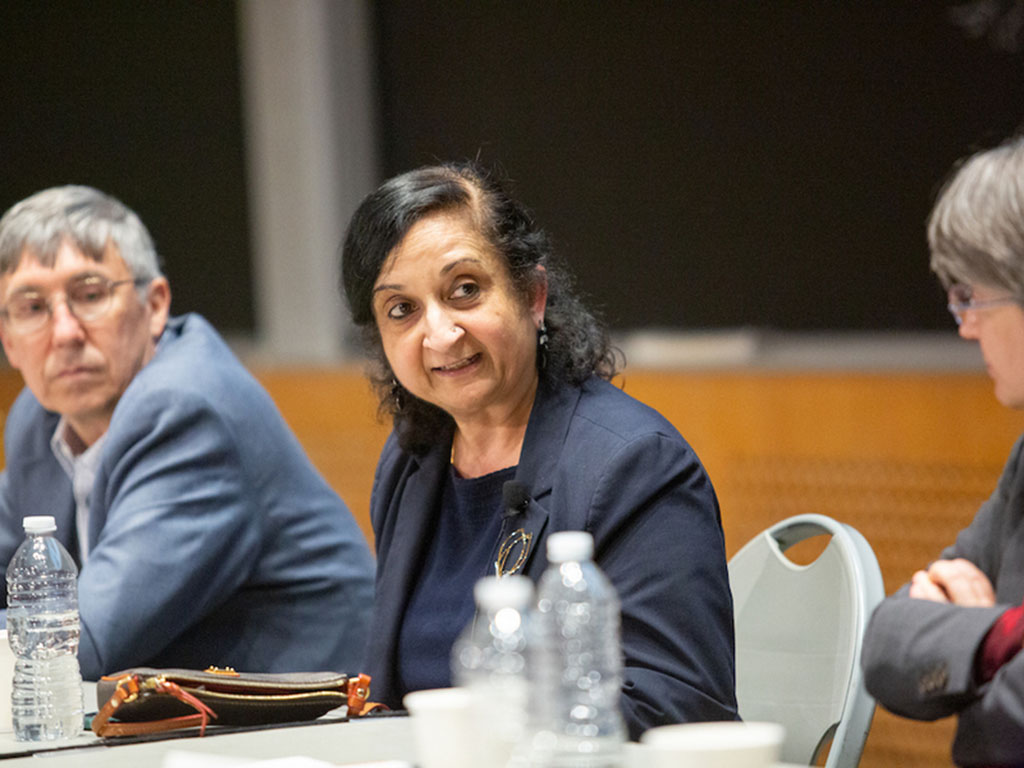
x=140, y=99
x=700, y=164
x=714, y=164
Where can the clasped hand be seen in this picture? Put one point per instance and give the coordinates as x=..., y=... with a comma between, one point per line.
x=957, y=581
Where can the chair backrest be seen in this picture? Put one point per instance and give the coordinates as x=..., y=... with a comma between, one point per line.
x=799, y=630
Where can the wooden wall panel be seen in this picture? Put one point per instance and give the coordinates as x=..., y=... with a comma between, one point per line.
x=333, y=412
x=904, y=458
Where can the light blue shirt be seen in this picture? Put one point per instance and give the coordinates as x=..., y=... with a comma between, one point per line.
x=81, y=468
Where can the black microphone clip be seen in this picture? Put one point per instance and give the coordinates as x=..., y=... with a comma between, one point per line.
x=515, y=498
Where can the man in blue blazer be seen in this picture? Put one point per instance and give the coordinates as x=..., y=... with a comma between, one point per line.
x=203, y=534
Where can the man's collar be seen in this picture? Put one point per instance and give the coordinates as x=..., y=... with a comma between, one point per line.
x=68, y=447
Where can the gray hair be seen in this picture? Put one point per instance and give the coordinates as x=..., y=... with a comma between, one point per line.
x=976, y=229
x=85, y=217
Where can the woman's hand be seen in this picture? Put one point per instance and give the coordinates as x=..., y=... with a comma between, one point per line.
x=957, y=581
x=923, y=588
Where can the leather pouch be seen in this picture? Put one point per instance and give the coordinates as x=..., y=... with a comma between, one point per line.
x=147, y=700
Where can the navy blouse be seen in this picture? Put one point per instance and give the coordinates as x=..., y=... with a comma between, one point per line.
x=461, y=551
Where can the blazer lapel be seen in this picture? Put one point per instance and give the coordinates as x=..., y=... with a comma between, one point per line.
x=546, y=432
x=49, y=492
x=415, y=510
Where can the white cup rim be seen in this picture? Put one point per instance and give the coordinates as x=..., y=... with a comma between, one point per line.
x=724, y=735
x=436, y=698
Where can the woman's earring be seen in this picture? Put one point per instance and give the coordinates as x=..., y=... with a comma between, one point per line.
x=542, y=343
x=397, y=395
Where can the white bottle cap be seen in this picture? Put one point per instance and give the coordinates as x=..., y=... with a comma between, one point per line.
x=493, y=593
x=39, y=524
x=566, y=546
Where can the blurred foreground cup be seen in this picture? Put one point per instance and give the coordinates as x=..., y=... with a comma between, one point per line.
x=710, y=745
x=443, y=728
x=6, y=683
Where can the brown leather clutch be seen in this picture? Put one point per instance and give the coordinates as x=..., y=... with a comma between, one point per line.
x=148, y=700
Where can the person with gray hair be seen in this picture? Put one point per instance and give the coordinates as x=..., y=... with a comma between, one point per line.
x=948, y=642
x=202, y=533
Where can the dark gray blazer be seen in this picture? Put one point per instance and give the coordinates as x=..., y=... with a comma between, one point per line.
x=919, y=655
x=593, y=459
x=212, y=539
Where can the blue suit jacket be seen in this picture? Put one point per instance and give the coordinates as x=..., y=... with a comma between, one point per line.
x=593, y=459
x=212, y=539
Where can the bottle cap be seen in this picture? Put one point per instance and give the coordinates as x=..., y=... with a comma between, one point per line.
x=493, y=593
x=39, y=524
x=565, y=546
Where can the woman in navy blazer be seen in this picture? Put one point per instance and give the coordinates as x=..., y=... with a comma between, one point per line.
x=507, y=429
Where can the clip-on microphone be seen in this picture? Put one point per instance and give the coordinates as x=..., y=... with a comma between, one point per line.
x=515, y=498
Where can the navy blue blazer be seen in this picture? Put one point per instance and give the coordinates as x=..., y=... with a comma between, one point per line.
x=212, y=539
x=593, y=459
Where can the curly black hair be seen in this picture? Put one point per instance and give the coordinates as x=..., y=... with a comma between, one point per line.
x=578, y=345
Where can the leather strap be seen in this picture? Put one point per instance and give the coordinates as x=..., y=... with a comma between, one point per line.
x=135, y=686
x=358, y=692
x=131, y=687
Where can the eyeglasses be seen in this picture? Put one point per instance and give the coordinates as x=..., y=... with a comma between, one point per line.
x=961, y=301
x=88, y=299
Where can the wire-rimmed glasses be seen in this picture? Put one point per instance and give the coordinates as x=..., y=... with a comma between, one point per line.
x=88, y=298
x=961, y=301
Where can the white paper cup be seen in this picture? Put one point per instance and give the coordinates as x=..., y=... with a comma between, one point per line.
x=443, y=728
x=711, y=745
x=6, y=681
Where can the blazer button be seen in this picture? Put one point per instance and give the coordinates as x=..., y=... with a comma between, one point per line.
x=934, y=680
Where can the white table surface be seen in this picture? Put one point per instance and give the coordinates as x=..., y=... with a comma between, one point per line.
x=367, y=740
x=341, y=743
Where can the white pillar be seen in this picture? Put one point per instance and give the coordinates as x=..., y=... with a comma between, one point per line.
x=307, y=80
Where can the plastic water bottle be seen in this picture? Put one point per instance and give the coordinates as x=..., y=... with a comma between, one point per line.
x=576, y=661
x=490, y=659
x=43, y=629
